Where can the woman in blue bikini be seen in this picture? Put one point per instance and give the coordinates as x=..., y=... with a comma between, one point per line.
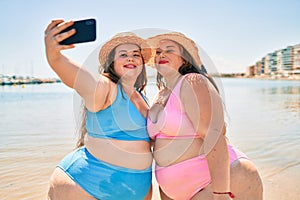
x=115, y=160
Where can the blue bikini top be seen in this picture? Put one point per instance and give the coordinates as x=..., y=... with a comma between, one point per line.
x=121, y=121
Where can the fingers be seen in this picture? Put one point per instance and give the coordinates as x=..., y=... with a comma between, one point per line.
x=67, y=46
x=52, y=25
x=62, y=36
x=61, y=26
x=53, y=35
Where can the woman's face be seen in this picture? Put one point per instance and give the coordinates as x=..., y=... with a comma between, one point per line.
x=128, y=60
x=168, y=56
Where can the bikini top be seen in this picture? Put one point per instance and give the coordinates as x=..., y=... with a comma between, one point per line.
x=121, y=121
x=173, y=121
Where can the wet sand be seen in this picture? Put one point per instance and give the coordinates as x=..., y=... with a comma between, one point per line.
x=28, y=179
x=283, y=186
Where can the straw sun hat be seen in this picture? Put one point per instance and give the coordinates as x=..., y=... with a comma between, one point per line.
x=124, y=38
x=181, y=39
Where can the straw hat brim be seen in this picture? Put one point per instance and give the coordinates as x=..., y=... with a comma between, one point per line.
x=181, y=39
x=130, y=39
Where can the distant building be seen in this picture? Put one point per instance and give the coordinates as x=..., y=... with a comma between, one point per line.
x=263, y=66
x=271, y=64
x=258, y=70
x=296, y=60
x=280, y=63
x=285, y=61
x=250, y=72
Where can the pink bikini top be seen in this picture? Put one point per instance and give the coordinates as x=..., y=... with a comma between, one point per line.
x=173, y=121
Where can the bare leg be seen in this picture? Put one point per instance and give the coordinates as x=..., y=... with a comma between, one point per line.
x=63, y=187
x=163, y=196
x=205, y=194
x=245, y=183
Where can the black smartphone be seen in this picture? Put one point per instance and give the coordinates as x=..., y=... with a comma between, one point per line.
x=85, y=32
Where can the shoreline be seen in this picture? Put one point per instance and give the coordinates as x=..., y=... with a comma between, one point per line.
x=296, y=78
x=26, y=81
x=272, y=79
x=29, y=81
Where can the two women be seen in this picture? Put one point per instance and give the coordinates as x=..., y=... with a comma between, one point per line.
x=115, y=161
x=193, y=157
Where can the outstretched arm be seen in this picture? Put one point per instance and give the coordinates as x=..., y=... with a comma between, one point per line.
x=70, y=72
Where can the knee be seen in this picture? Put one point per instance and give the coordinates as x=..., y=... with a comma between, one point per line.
x=242, y=170
x=251, y=171
x=51, y=193
x=245, y=168
x=58, y=185
x=63, y=187
x=54, y=185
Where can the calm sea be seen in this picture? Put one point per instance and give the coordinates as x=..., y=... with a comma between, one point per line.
x=37, y=128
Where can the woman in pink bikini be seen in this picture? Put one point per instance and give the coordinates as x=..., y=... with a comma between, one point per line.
x=194, y=159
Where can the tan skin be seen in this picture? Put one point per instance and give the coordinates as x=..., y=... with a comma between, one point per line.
x=97, y=95
x=207, y=118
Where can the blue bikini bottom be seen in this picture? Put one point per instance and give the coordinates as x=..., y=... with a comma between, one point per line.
x=103, y=180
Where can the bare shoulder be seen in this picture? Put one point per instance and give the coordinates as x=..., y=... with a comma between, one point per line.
x=194, y=82
x=103, y=81
x=104, y=87
x=195, y=78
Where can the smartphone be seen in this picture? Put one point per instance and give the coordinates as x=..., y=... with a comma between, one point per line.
x=85, y=32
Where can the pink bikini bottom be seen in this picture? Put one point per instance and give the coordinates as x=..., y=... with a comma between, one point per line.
x=183, y=180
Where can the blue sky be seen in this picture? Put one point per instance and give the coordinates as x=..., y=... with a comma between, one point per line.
x=233, y=33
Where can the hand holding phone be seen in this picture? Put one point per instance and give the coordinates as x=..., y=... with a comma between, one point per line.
x=85, y=32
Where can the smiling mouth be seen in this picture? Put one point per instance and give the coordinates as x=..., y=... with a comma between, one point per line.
x=130, y=66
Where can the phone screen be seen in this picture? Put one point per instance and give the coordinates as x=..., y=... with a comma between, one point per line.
x=85, y=32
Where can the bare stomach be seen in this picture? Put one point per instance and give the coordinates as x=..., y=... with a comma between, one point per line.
x=129, y=154
x=171, y=151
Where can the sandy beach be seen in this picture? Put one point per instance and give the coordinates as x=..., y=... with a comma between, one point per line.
x=282, y=186
x=278, y=187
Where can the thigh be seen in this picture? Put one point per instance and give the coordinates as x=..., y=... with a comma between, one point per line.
x=245, y=183
x=163, y=196
x=63, y=187
x=205, y=194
